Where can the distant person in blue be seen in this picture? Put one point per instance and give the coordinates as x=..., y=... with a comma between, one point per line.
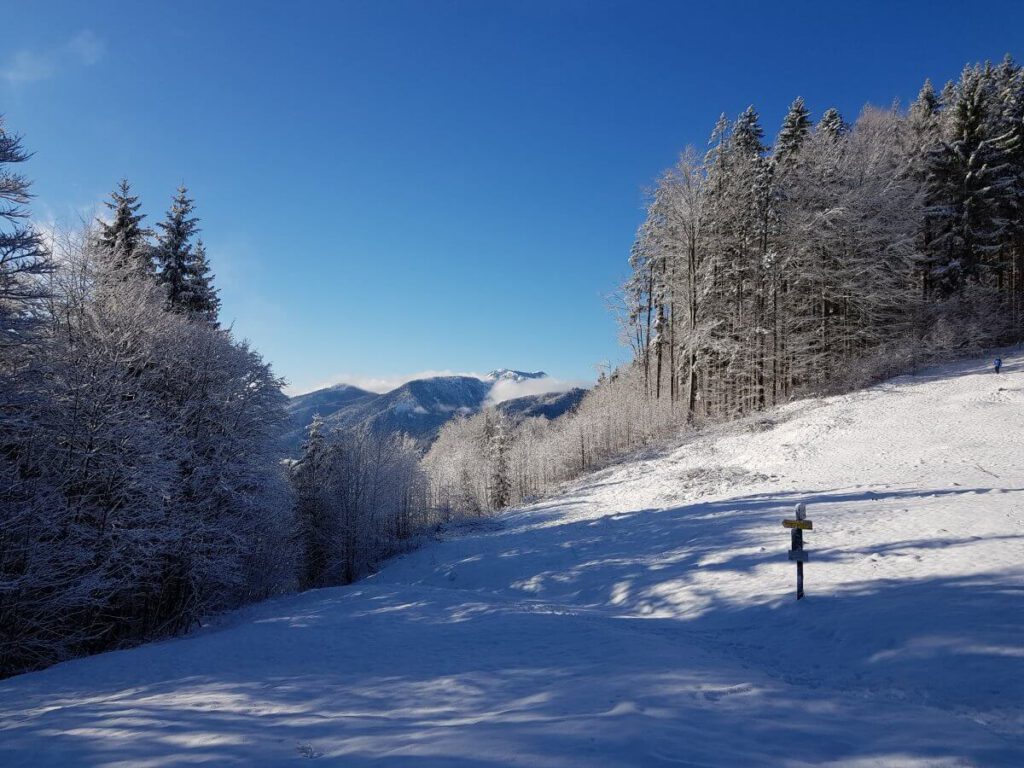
x=999, y=364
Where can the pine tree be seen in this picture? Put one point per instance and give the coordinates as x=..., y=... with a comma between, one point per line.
x=175, y=255
x=123, y=241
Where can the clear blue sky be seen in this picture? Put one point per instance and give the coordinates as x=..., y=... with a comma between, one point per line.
x=390, y=187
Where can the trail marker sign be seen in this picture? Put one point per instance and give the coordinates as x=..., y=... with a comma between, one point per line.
x=805, y=525
x=797, y=553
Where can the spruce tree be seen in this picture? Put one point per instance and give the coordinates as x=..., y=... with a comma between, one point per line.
x=312, y=516
x=923, y=121
x=23, y=255
x=832, y=124
x=178, y=268
x=795, y=127
x=1010, y=96
x=926, y=106
x=747, y=134
x=715, y=155
x=969, y=185
x=204, y=299
x=123, y=241
x=500, y=486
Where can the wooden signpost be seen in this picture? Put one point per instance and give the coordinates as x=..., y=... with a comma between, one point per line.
x=797, y=553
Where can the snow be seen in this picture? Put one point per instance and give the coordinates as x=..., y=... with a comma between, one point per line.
x=643, y=617
x=507, y=374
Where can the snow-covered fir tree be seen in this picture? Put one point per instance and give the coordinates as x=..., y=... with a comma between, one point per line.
x=795, y=128
x=970, y=183
x=832, y=124
x=123, y=241
x=205, y=298
x=24, y=257
x=500, y=485
x=182, y=267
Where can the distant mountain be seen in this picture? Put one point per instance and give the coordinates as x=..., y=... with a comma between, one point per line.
x=327, y=401
x=421, y=407
x=550, y=405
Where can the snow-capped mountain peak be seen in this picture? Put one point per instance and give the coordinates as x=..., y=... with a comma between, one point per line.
x=507, y=374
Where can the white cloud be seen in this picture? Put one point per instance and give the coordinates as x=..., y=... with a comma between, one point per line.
x=509, y=390
x=27, y=66
x=86, y=47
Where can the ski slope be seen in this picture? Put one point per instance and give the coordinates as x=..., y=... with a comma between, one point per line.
x=643, y=617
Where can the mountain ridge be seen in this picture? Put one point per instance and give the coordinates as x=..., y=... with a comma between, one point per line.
x=420, y=407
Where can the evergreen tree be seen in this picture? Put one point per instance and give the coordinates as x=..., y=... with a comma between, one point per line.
x=175, y=253
x=795, y=127
x=747, y=134
x=23, y=255
x=123, y=241
x=500, y=487
x=204, y=301
x=948, y=95
x=969, y=184
x=312, y=514
x=926, y=106
x=717, y=143
x=1010, y=95
x=832, y=124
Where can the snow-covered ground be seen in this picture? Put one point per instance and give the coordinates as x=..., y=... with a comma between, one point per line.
x=644, y=617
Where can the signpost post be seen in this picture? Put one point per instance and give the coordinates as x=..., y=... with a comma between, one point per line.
x=797, y=552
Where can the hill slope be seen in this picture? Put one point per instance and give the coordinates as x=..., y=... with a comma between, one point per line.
x=644, y=617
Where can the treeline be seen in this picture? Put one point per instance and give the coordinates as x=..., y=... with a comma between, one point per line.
x=838, y=256
x=841, y=254
x=142, y=478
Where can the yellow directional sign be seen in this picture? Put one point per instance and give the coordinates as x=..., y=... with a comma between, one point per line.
x=806, y=525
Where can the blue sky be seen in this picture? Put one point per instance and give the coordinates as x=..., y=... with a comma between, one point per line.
x=394, y=187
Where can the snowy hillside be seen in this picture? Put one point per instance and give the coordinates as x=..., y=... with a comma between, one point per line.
x=643, y=617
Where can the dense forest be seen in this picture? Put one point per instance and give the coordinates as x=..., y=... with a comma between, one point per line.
x=141, y=469
x=142, y=484
x=839, y=255
x=141, y=487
